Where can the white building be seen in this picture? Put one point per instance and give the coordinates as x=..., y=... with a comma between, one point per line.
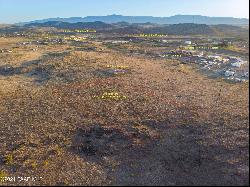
x=188, y=42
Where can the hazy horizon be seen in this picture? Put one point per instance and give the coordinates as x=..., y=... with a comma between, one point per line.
x=14, y=11
x=117, y=15
x=136, y=16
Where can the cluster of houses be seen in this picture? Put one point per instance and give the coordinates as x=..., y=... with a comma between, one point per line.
x=24, y=43
x=24, y=34
x=177, y=54
x=202, y=44
x=116, y=41
x=189, y=45
x=53, y=41
x=203, y=47
x=227, y=66
x=42, y=42
x=75, y=38
x=49, y=41
x=5, y=51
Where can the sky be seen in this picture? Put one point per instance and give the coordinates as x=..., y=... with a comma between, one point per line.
x=14, y=11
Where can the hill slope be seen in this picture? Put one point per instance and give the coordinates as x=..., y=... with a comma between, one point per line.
x=127, y=28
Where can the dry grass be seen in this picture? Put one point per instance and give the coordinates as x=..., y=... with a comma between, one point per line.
x=175, y=122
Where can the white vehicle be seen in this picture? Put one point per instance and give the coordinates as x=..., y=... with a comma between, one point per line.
x=238, y=64
x=229, y=73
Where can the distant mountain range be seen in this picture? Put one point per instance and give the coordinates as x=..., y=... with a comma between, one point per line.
x=175, y=25
x=98, y=25
x=197, y=19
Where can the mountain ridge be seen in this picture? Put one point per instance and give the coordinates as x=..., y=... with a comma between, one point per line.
x=198, y=19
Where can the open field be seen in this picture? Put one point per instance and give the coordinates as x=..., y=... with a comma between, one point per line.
x=84, y=113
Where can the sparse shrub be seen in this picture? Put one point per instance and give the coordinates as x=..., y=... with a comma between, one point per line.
x=3, y=175
x=46, y=163
x=9, y=160
x=110, y=95
x=33, y=164
x=183, y=69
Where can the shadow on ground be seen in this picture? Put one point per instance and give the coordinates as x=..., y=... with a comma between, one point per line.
x=41, y=71
x=177, y=158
